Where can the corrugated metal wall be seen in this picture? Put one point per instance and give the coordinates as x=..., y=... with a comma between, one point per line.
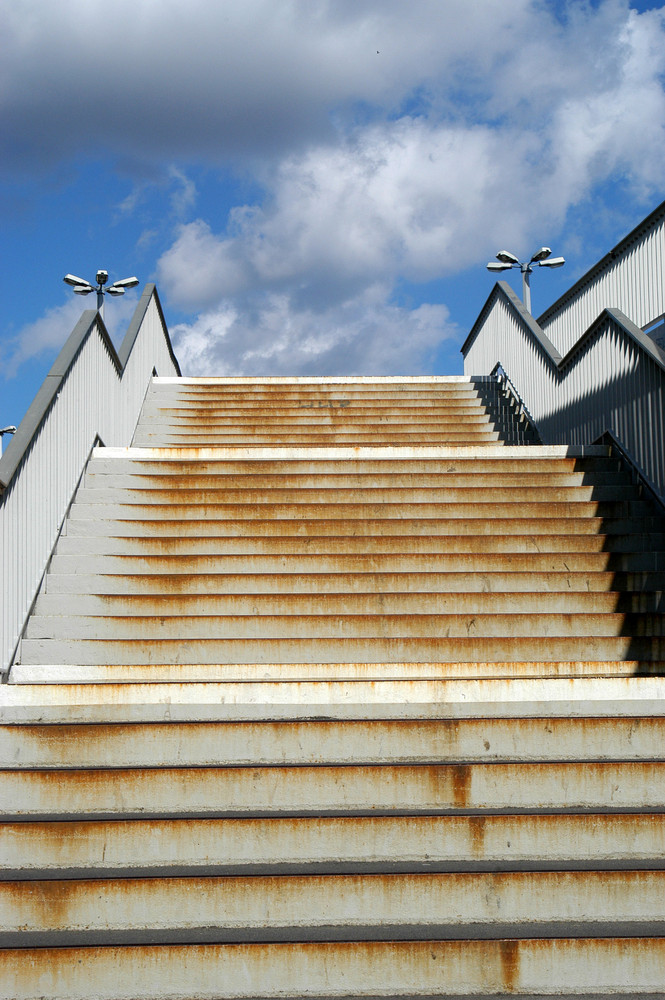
x=94, y=398
x=632, y=282
x=613, y=379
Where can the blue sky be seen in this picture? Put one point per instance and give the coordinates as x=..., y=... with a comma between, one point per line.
x=315, y=186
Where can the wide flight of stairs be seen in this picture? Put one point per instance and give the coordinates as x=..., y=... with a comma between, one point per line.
x=330, y=693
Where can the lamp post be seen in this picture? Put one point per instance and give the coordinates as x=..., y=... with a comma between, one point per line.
x=541, y=257
x=6, y=430
x=83, y=287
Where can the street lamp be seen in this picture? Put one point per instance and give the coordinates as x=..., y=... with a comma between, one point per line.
x=541, y=257
x=6, y=430
x=83, y=287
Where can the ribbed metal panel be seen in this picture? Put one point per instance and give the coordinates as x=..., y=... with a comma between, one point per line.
x=609, y=383
x=95, y=399
x=632, y=282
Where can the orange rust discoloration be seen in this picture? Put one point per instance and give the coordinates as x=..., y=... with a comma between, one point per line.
x=477, y=835
x=509, y=952
x=461, y=782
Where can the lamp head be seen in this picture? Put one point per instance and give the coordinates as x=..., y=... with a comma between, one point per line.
x=552, y=262
x=506, y=257
x=71, y=279
x=125, y=283
x=540, y=255
x=494, y=266
x=83, y=289
x=102, y=277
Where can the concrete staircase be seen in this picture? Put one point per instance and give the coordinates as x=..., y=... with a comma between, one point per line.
x=330, y=693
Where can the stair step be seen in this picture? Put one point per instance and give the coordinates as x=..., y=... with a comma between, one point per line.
x=256, y=790
x=332, y=845
x=332, y=649
x=165, y=479
x=367, y=495
x=219, y=527
x=502, y=460
x=331, y=908
x=340, y=418
x=584, y=968
x=224, y=603
x=318, y=410
x=329, y=544
x=183, y=673
x=363, y=511
x=177, y=440
x=356, y=562
x=327, y=582
x=636, y=696
x=331, y=624
x=394, y=741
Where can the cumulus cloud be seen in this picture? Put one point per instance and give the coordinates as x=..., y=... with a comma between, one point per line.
x=271, y=336
x=223, y=80
x=49, y=333
x=387, y=141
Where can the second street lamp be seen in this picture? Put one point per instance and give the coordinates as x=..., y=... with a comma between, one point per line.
x=507, y=260
x=83, y=287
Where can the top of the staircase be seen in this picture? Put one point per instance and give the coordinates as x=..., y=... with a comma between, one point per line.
x=317, y=380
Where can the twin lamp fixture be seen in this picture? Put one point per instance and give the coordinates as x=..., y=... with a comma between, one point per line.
x=83, y=287
x=541, y=257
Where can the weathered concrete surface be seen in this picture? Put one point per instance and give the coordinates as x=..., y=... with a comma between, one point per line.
x=326, y=790
x=332, y=908
x=462, y=698
x=401, y=741
x=180, y=673
x=299, y=718
x=331, y=649
x=560, y=967
x=332, y=845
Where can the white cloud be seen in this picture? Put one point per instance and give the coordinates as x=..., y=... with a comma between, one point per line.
x=184, y=195
x=389, y=140
x=364, y=335
x=621, y=127
x=218, y=80
x=423, y=195
x=49, y=333
x=405, y=197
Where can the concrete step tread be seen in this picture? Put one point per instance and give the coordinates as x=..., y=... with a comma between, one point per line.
x=192, y=480
x=300, y=562
x=205, y=440
x=219, y=527
x=335, y=649
x=155, y=409
x=332, y=844
x=160, y=383
x=407, y=789
x=549, y=697
x=331, y=908
x=328, y=417
x=114, y=461
x=470, y=493
x=220, y=603
x=331, y=623
x=631, y=509
x=69, y=673
x=289, y=453
x=313, y=742
x=369, y=582
x=326, y=544
x=586, y=968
